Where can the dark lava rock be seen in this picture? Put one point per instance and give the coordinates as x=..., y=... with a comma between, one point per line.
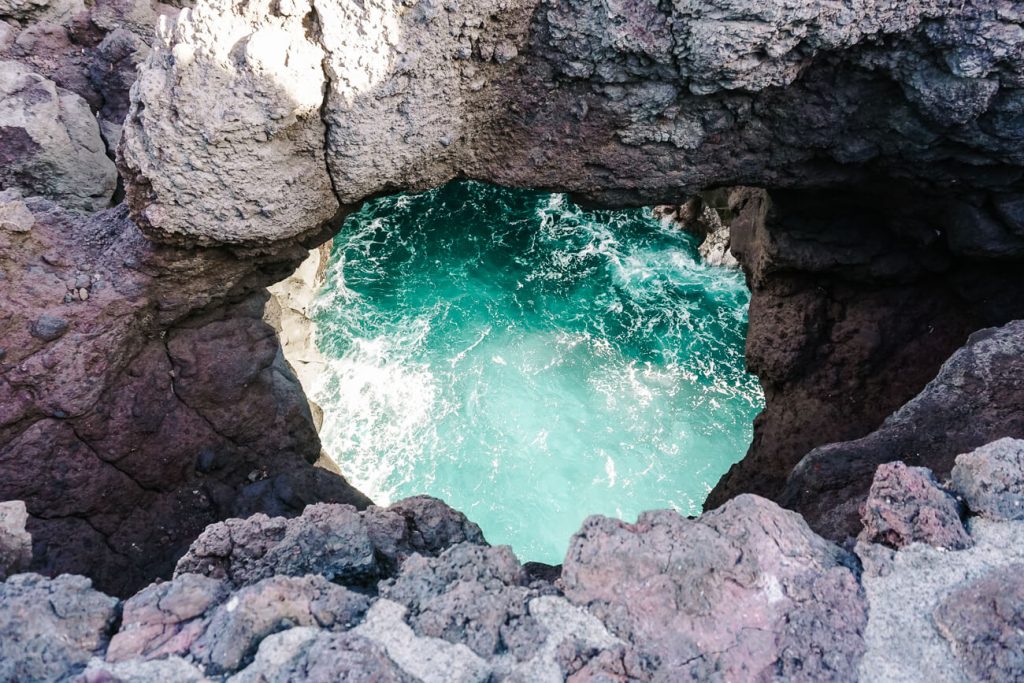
x=49, y=628
x=334, y=541
x=743, y=592
x=977, y=397
x=472, y=594
x=15, y=542
x=991, y=479
x=984, y=623
x=49, y=327
x=905, y=505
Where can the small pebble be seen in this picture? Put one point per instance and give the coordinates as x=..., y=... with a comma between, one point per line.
x=83, y=294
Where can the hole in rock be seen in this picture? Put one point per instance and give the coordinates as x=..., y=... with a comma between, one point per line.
x=530, y=362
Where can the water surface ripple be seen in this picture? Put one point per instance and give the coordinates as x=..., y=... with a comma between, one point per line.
x=529, y=361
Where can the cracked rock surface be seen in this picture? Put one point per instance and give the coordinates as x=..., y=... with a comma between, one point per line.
x=137, y=405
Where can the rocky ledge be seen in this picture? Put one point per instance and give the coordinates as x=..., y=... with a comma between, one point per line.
x=932, y=590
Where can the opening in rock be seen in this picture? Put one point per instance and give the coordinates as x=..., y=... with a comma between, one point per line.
x=530, y=362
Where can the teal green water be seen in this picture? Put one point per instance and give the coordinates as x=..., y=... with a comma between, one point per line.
x=530, y=362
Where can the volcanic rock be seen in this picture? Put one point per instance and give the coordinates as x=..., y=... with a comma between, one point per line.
x=984, y=623
x=744, y=591
x=334, y=541
x=977, y=397
x=49, y=628
x=50, y=142
x=991, y=479
x=15, y=542
x=905, y=505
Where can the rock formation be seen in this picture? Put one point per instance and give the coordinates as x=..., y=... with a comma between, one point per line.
x=745, y=591
x=145, y=397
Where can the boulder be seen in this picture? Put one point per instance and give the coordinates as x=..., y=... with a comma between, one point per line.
x=50, y=142
x=334, y=541
x=742, y=592
x=991, y=479
x=50, y=628
x=906, y=505
x=308, y=654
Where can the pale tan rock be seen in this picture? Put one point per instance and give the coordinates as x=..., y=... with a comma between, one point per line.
x=52, y=141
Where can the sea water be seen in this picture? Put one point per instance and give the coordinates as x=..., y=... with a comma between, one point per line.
x=529, y=361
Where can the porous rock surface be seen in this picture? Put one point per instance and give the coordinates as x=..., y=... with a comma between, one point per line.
x=857, y=299
x=50, y=142
x=906, y=505
x=630, y=104
x=50, y=628
x=989, y=478
x=335, y=541
x=137, y=404
x=984, y=623
x=746, y=591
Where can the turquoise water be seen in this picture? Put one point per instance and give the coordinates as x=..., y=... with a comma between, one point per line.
x=530, y=362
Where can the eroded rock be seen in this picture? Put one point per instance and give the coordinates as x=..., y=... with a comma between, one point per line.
x=905, y=505
x=744, y=591
x=50, y=628
x=334, y=541
x=50, y=143
x=991, y=479
x=984, y=623
x=976, y=398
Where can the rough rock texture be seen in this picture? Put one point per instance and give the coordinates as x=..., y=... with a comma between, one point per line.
x=49, y=628
x=743, y=592
x=857, y=299
x=252, y=128
x=335, y=541
x=984, y=622
x=991, y=479
x=139, y=402
x=905, y=639
x=15, y=542
x=620, y=104
x=977, y=397
x=50, y=142
x=306, y=654
x=906, y=505
x=708, y=217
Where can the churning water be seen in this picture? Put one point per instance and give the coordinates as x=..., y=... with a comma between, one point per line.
x=530, y=362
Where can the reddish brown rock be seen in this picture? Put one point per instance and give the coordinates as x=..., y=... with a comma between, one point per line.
x=162, y=405
x=856, y=302
x=905, y=505
x=744, y=591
